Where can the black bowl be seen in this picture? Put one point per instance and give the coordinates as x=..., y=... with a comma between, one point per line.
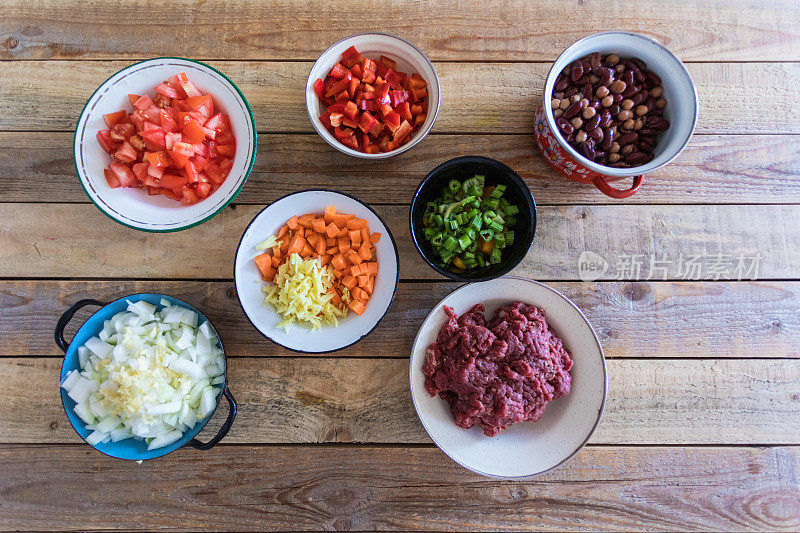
x=517, y=193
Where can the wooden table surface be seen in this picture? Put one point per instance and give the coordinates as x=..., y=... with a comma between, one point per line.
x=702, y=423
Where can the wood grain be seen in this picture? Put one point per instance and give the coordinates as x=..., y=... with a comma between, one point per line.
x=49, y=240
x=713, y=169
x=315, y=400
x=632, y=319
x=49, y=95
x=294, y=29
x=380, y=488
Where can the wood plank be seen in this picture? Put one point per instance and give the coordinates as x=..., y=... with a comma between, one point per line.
x=378, y=488
x=49, y=95
x=713, y=169
x=294, y=29
x=48, y=240
x=313, y=400
x=632, y=319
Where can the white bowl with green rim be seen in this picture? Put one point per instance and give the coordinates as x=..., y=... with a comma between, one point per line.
x=134, y=207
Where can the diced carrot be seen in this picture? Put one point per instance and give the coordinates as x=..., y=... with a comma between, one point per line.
x=356, y=223
x=359, y=294
x=264, y=262
x=330, y=241
x=308, y=232
x=283, y=231
x=338, y=262
x=330, y=212
x=375, y=237
x=365, y=252
x=344, y=244
x=276, y=250
x=337, y=273
x=344, y=232
x=341, y=219
x=359, y=270
x=349, y=282
x=332, y=230
x=355, y=238
x=333, y=250
x=318, y=225
x=363, y=279
x=276, y=261
x=364, y=234
x=320, y=247
x=307, y=250
x=297, y=244
x=285, y=245
x=292, y=223
x=313, y=239
x=372, y=268
x=305, y=220
x=370, y=285
x=353, y=257
x=357, y=307
x=324, y=259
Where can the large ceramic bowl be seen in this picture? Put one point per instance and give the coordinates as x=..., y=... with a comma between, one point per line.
x=249, y=284
x=527, y=448
x=134, y=207
x=409, y=59
x=131, y=449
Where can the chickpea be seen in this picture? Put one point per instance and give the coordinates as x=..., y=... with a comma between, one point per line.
x=618, y=86
x=614, y=147
x=575, y=98
x=558, y=112
x=601, y=91
x=607, y=101
x=577, y=122
x=628, y=148
x=628, y=124
x=589, y=112
x=612, y=59
x=558, y=95
x=624, y=115
x=619, y=69
x=641, y=110
x=584, y=103
x=564, y=104
x=593, y=78
x=614, y=157
x=656, y=92
x=581, y=136
x=637, y=124
x=627, y=104
x=661, y=103
x=554, y=103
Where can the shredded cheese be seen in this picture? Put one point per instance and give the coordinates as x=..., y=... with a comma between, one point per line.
x=302, y=292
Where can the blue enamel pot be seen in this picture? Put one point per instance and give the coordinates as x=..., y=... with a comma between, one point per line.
x=131, y=449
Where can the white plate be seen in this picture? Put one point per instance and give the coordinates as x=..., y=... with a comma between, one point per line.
x=409, y=59
x=134, y=207
x=248, y=281
x=527, y=448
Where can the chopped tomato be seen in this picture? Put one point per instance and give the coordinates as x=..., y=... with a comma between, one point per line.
x=172, y=143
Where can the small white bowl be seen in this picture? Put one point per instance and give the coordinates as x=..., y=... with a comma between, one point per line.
x=527, y=448
x=409, y=59
x=265, y=318
x=134, y=207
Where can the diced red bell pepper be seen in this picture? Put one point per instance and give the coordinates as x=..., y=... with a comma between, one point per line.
x=393, y=80
x=325, y=118
x=367, y=105
x=338, y=107
x=336, y=119
x=319, y=88
x=338, y=71
x=341, y=85
x=367, y=122
x=343, y=96
x=390, y=63
x=356, y=71
x=398, y=97
x=354, y=83
x=419, y=120
x=351, y=110
x=392, y=121
x=404, y=110
x=368, y=76
x=418, y=94
x=402, y=131
x=350, y=57
x=350, y=142
x=346, y=122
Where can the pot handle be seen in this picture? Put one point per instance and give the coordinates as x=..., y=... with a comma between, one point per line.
x=67, y=316
x=194, y=443
x=601, y=183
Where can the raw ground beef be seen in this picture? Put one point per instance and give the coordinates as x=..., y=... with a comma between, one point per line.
x=499, y=372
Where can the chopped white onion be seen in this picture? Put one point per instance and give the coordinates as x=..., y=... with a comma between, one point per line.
x=100, y=348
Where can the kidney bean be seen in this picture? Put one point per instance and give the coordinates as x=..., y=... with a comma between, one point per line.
x=571, y=92
x=638, y=98
x=570, y=138
x=653, y=78
x=576, y=70
x=635, y=158
x=605, y=117
x=596, y=134
x=613, y=109
x=588, y=91
x=572, y=110
x=630, y=91
x=564, y=125
x=657, y=123
x=628, y=138
x=646, y=145
x=583, y=80
x=647, y=132
x=587, y=149
x=595, y=60
x=561, y=84
x=627, y=78
x=608, y=139
x=593, y=122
